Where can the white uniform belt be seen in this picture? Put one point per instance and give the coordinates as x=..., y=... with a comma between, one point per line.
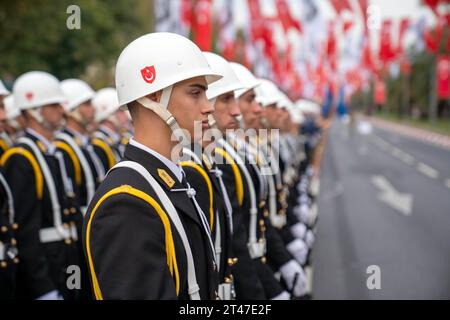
x=257, y=249
x=53, y=234
x=225, y=291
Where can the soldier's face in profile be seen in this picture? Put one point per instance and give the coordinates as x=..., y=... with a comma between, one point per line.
x=122, y=118
x=271, y=115
x=250, y=109
x=53, y=115
x=87, y=111
x=189, y=104
x=283, y=119
x=2, y=117
x=226, y=109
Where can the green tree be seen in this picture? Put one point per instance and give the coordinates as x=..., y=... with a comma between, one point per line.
x=35, y=36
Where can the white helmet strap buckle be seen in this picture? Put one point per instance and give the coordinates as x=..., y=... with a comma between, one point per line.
x=76, y=115
x=36, y=114
x=160, y=108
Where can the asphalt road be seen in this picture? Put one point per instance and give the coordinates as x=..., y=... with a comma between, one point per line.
x=356, y=229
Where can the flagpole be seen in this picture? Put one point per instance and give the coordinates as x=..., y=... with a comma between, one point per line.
x=151, y=7
x=432, y=114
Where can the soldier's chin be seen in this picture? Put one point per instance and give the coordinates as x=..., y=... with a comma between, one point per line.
x=233, y=125
x=57, y=127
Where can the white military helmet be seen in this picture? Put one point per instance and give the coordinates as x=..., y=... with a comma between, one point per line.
x=12, y=112
x=3, y=90
x=157, y=61
x=77, y=92
x=247, y=79
x=307, y=106
x=268, y=93
x=105, y=103
x=36, y=89
x=229, y=82
x=296, y=114
x=285, y=102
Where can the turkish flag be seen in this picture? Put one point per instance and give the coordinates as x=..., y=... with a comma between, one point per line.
x=257, y=23
x=433, y=38
x=340, y=5
x=433, y=5
x=404, y=25
x=202, y=26
x=443, y=77
x=367, y=60
x=386, y=52
x=347, y=24
x=380, y=91
x=363, y=6
x=405, y=66
x=331, y=47
x=186, y=12
x=285, y=17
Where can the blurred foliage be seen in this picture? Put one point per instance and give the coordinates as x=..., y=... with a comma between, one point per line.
x=440, y=126
x=34, y=36
x=408, y=95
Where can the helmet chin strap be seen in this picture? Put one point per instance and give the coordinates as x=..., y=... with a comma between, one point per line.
x=36, y=113
x=265, y=122
x=76, y=115
x=113, y=120
x=160, y=108
x=240, y=119
x=211, y=120
x=14, y=123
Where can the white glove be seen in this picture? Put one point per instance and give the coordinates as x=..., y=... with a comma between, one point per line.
x=295, y=277
x=299, y=250
x=52, y=295
x=309, y=171
x=282, y=296
x=298, y=230
x=309, y=239
x=302, y=186
x=313, y=215
x=303, y=199
x=302, y=213
x=314, y=186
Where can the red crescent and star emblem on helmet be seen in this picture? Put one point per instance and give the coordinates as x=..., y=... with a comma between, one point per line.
x=148, y=74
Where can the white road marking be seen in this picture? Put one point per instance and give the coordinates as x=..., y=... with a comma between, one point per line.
x=405, y=157
x=402, y=202
x=383, y=144
x=427, y=170
x=447, y=183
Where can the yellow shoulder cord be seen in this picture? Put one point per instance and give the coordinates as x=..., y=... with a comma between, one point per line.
x=237, y=174
x=205, y=176
x=76, y=162
x=107, y=149
x=34, y=164
x=3, y=145
x=170, y=246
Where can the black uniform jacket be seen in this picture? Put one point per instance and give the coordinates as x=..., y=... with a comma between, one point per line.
x=211, y=200
x=132, y=247
x=42, y=266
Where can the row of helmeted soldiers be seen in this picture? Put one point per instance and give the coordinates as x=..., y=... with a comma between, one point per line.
x=229, y=217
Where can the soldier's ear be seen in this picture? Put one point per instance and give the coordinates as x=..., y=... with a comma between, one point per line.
x=156, y=96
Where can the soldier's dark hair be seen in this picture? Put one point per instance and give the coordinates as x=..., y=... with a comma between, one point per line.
x=133, y=107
